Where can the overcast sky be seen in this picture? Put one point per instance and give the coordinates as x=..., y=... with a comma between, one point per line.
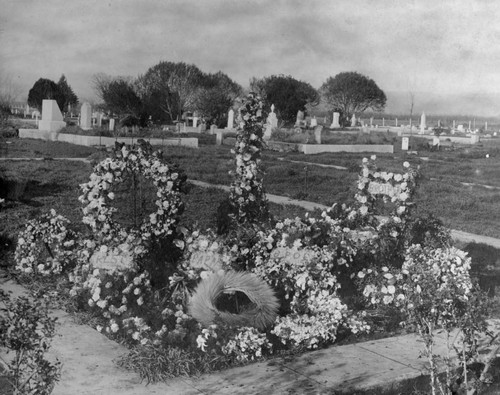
x=445, y=47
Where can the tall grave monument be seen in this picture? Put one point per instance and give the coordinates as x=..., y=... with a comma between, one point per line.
x=52, y=119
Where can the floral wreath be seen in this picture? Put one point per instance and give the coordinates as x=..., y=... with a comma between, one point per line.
x=50, y=233
x=396, y=187
x=139, y=159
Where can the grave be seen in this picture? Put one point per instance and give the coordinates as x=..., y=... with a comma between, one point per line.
x=422, y=123
x=230, y=119
x=353, y=120
x=299, y=122
x=314, y=122
x=335, y=121
x=52, y=119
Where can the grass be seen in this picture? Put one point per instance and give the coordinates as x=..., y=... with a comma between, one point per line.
x=471, y=209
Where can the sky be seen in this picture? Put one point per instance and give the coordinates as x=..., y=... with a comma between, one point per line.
x=434, y=48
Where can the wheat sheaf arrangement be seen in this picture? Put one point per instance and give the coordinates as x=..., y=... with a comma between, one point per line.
x=259, y=313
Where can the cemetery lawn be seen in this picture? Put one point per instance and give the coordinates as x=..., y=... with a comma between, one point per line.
x=473, y=209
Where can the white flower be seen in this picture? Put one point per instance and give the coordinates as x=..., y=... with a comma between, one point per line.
x=373, y=157
x=406, y=164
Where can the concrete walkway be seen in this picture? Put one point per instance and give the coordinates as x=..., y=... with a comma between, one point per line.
x=455, y=234
x=88, y=368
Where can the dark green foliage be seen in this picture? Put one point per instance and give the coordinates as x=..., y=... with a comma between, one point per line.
x=352, y=93
x=45, y=89
x=70, y=99
x=120, y=98
x=26, y=330
x=287, y=94
x=173, y=86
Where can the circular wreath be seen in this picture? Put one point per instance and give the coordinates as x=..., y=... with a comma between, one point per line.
x=138, y=160
x=45, y=245
x=259, y=314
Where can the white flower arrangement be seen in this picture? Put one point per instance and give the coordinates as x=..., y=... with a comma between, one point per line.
x=97, y=198
x=49, y=235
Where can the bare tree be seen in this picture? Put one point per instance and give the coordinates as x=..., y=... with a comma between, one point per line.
x=9, y=92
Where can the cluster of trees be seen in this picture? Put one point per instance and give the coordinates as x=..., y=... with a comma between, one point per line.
x=168, y=90
x=61, y=92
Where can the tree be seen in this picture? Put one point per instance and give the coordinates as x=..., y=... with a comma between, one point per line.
x=70, y=99
x=352, y=93
x=9, y=92
x=216, y=97
x=286, y=93
x=45, y=89
x=174, y=87
x=120, y=98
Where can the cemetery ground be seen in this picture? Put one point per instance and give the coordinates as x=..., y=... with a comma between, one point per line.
x=474, y=208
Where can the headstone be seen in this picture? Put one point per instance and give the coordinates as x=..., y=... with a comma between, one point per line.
x=353, y=120
x=335, y=121
x=371, y=121
x=383, y=122
x=111, y=124
x=219, y=134
x=485, y=126
x=99, y=119
x=52, y=119
x=454, y=124
x=460, y=128
x=469, y=125
x=317, y=134
x=422, y=123
x=474, y=138
x=267, y=132
x=435, y=141
x=212, y=129
x=272, y=119
x=195, y=122
x=300, y=118
x=86, y=116
x=314, y=122
x=405, y=141
x=396, y=122
x=230, y=119
x=439, y=123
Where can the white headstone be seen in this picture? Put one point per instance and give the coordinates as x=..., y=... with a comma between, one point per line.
x=195, y=122
x=111, y=124
x=335, y=122
x=267, y=132
x=218, y=137
x=435, y=141
x=52, y=119
x=300, y=118
x=99, y=119
x=272, y=119
x=353, y=120
x=460, y=128
x=405, y=143
x=317, y=134
x=396, y=122
x=314, y=122
x=86, y=116
x=230, y=119
x=422, y=123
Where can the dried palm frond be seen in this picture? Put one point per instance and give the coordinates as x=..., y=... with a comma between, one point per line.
x=261, y=313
